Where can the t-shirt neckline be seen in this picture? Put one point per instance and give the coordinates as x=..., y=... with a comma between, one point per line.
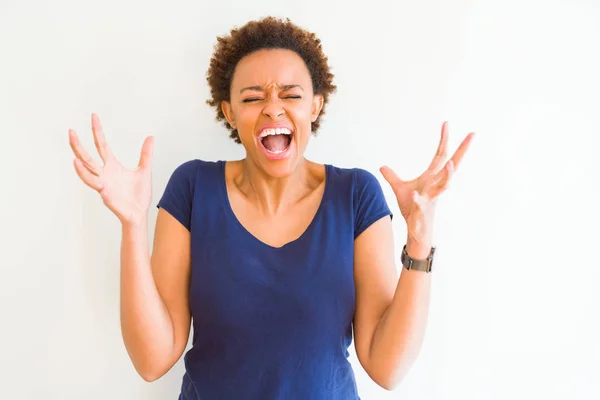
x=309, y=228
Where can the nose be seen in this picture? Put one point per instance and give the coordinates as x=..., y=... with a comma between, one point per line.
x=273, y=107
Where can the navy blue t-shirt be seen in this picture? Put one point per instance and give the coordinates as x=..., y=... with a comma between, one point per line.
x=271, y=322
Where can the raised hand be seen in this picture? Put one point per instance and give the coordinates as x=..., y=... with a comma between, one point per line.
x=417, y=198
x=126, y=192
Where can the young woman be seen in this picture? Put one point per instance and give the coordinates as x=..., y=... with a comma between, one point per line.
x=277, y=260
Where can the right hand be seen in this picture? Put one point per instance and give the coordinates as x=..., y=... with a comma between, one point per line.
x=126, y=192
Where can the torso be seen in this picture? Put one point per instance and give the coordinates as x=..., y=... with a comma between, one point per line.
x=271, y=323
x=290, y=222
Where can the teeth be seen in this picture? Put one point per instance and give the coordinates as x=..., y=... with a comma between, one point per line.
x=275, y=131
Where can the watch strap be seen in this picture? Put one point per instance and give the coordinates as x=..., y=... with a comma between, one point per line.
x=420, y=265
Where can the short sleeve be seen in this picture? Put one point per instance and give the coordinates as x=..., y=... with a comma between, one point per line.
x=177, y=198
x=370, y=204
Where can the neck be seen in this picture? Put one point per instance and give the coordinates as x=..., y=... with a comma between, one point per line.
x=272, y=195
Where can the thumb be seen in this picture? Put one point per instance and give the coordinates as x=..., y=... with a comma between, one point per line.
x=390, y=176
x=147, y=152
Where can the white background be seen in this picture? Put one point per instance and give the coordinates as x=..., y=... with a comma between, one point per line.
x=514, y=312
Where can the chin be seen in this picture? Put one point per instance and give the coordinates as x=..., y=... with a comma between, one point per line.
x=281, y=163
x=279, y=170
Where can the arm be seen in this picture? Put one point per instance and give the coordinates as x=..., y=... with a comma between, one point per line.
x=391, y=313
x=390, y=323
x=155, y=315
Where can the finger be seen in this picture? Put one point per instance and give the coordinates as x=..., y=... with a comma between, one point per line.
x=428, y=179
x=441, y=152
x=462, y=149
x=444, y=182
x=99, y=139
x=86, y=176
x=442, y=174
x=390, y=176
x=147, y=152
x=83, y=155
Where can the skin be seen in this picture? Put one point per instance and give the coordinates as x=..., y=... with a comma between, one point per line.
x=155, y=316
x=394, y=320
x=275, y=201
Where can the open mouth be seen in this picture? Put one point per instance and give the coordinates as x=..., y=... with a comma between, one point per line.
x=276, y=140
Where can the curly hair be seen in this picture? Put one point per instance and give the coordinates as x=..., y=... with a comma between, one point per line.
x=266, y=33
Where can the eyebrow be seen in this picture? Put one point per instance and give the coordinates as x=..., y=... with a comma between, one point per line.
x=260, y=88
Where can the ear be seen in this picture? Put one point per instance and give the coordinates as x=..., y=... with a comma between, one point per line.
x=317, y=106
x=228, y=112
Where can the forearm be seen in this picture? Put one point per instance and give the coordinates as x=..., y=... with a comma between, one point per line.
x=146, y=325
x=399, y=334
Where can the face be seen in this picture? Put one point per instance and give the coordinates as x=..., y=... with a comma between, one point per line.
x=272, y=106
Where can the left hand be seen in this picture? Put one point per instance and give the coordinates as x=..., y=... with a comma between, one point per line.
x=417, y=198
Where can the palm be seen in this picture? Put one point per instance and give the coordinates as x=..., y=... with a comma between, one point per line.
x=126, y=192
x=419, y=195
x=403, y=191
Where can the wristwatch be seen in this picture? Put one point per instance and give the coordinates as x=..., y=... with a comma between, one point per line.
x=420, y=265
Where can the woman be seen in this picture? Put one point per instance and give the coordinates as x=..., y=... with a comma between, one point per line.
x=275, y=258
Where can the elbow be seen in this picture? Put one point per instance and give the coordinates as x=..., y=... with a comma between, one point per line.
x=389, y=384
x=384, y=381
x=390, y=380
x=150, y=376
x=153, y=365
x=152, y=371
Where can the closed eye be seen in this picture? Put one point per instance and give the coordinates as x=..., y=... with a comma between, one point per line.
x=252, y=99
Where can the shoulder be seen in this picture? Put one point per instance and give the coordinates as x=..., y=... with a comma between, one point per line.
x=358, y=179
x=188, y=175
x=189, y=170
x=192, y=166
x=368, y=201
